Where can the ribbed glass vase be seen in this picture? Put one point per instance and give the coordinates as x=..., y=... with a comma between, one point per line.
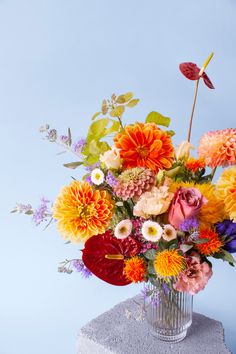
x=168, y=312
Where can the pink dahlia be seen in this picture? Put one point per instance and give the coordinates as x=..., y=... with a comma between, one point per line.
x=133, y=182
x=195, y=277
x=218, y=148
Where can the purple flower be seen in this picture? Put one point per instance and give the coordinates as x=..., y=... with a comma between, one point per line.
x=64, y=139
x=165, y=288
x=90, y=168
x=227, y=228
x=52, y=135
x=111, y=180
x=42, y=212
x=81, y=268
x=23, y=208
x=189, y=224
x=78, y=146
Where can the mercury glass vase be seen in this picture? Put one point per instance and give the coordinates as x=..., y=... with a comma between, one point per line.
x=168, y=312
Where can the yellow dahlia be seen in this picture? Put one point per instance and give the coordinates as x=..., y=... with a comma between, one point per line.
x=145, y=145
x=135, y=269
x=82, y=212
x=213, y=245
x=169, y=263
x=218, y=148
x=212, y=211
x=226, y=191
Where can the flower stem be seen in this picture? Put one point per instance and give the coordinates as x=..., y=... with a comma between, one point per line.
x=193, y=107
x=213, y=173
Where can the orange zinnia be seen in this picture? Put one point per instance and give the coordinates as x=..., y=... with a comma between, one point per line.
x=82, y=212
x=145, y=145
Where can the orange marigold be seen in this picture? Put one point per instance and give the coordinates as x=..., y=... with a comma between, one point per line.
x=135, y=269
x=145, y=145
x=82, y=212
x=213, y=245
x=195, y=164
x=169, y=263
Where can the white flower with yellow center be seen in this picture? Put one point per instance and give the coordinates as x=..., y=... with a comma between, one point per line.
x=123, y=229
x=169, y=233
x=152, y=231
x=97, y=176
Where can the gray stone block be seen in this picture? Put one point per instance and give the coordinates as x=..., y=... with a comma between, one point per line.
x=120, y=331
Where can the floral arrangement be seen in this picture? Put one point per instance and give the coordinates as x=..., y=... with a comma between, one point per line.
x=145, y=210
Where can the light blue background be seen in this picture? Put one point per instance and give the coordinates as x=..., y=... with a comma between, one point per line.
x=58, y=60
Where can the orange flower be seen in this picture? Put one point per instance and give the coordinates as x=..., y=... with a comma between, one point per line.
x=145, y=145
x=195, y=164
x=213, y=245
x=135, y=269
x=169, y=263
x=82, y=212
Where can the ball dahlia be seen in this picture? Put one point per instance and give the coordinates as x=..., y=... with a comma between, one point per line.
x=82, y=212
x=218, y=148
x=133, y=182
x=145, y=145
x=226, y=190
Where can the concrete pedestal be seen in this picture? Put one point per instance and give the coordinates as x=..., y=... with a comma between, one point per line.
x=122, y=331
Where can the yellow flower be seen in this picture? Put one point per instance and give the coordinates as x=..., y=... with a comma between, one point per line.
x=169, y=263
x=211, y=212
x=226, y=191
x=82, y=212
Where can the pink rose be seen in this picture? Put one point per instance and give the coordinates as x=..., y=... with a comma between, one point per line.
x=195, y=277
x=187, y=203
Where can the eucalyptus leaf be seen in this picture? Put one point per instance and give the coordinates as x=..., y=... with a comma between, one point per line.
x=159, y=119
x=73, y=165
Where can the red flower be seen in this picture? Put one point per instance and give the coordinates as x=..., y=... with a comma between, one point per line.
x=104, y=255
x=192, y=72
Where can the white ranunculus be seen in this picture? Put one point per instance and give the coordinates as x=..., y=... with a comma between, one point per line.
x=111, y=158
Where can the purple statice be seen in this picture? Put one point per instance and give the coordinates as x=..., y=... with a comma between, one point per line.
x=111, y=180
x=42, y=212
x=23, y=209
x=65, y=140
x=79, y=266
x=227, y=228
x=78, y=146
x=189, y=224
x=52, y=135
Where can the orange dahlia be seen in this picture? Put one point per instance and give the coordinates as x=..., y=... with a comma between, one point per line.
x=226, y=189
x=213, y=245
x=218, y=148
x=82, y=212
x=169, y=263
x=195, y=164
x=135, y=269
x=145, y=145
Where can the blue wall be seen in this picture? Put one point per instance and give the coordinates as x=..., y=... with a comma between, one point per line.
x=58, y=60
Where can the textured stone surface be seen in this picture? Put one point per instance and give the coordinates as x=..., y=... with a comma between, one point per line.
x=114, y=333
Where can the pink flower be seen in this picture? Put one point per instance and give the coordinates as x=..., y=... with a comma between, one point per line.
x=195, y=277
x=187, y=203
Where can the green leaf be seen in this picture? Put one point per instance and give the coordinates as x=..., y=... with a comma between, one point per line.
x=69, y=136
x=96, y=115
x=128, y=96
x=97, y=129
x=185, y=248
x=117, y=112
x=133, y=102
x=73, y=165
x=114, y=127
x=201, y=240
x=173, y=172
x=159, y=119
x=228, y=257
x=97, y=148
x=150, y=254
x=120, y=99
x=151, y=269
x=170, y=132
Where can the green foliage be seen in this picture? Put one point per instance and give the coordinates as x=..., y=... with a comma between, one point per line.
x=73, y=165
x=150, y=254
x=159, y=119
x=150, y=268
x=225, y=256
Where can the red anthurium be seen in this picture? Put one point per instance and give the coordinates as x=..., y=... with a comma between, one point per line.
x=104, y=256
x=192, y=72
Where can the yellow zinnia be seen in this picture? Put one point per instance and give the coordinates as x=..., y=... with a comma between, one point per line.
x=226, y=191
x=82, y=212
x=169, y=263
x=211, y=212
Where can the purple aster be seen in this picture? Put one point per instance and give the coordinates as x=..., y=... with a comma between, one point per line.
x=227, y=228
x=111, y=180
x=88, y=179
x=81, y=268
x=42, y=212
x=189, y=224
x=65, y=139
x=52, y=135
x=78, y=146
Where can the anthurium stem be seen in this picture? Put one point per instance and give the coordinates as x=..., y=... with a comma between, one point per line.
x=193, y=108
